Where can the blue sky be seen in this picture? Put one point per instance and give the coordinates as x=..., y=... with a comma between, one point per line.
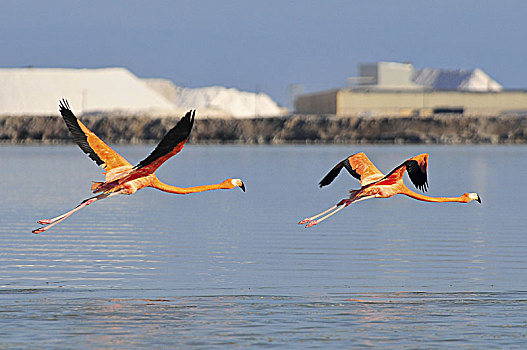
x=266, y=45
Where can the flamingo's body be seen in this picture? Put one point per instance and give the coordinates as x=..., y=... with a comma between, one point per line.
x=121, y=176
x=377, y=185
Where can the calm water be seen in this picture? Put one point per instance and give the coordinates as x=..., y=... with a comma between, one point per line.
x=230, y=268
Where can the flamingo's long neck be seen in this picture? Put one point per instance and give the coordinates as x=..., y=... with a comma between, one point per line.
x=186, y=190
x=460, y=199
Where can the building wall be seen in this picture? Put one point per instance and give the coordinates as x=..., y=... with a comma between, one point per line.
x=479, y=103
x=318, y=103
x=378, y=103
x=352, y=102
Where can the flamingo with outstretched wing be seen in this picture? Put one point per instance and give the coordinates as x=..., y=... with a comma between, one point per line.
x=121, y=176
x=374, y=184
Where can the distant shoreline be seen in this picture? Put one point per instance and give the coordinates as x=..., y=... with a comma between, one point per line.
x=297, y=129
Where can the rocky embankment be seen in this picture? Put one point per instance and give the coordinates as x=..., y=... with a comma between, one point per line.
x=444, y=129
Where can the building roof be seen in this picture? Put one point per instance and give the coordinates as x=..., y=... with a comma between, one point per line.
x=455, y=79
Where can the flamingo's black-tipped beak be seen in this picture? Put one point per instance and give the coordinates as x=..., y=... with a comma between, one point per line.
x=474, y=196
x=243, y=187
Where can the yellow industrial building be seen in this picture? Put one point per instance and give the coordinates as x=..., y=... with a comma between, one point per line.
x=396, y=89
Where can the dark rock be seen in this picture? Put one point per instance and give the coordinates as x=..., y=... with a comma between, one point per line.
x=443, y=129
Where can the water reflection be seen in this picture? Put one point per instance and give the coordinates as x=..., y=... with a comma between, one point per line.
x=365, y=319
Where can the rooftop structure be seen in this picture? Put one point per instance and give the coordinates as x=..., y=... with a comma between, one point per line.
x=386, y=75
x=455, y=79
x=403, y=76
x=397, y=89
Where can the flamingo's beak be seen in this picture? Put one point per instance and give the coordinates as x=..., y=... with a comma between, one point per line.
x=242, y=187
x=474, y=196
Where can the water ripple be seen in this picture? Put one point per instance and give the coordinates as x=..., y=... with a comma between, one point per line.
x=233, y=269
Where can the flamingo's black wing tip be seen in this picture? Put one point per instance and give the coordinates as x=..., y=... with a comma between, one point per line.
x=332, y=174
x=191, y=114
x=189, y=117
x=418, y=176
x=64, y=105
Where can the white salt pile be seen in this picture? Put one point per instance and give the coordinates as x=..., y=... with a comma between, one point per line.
x=237, y=103
x=36, y=91
x=169, y=91
x=217, y=101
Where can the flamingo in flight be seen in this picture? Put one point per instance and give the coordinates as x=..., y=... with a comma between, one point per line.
x=375, y=184
x=121, y=176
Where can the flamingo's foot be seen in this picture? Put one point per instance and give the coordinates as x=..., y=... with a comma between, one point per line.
x=312, y=223
x=45, y=221
x=39, y=230
x=304, y=221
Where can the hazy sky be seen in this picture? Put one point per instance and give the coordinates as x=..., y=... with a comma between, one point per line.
x=266, y=45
